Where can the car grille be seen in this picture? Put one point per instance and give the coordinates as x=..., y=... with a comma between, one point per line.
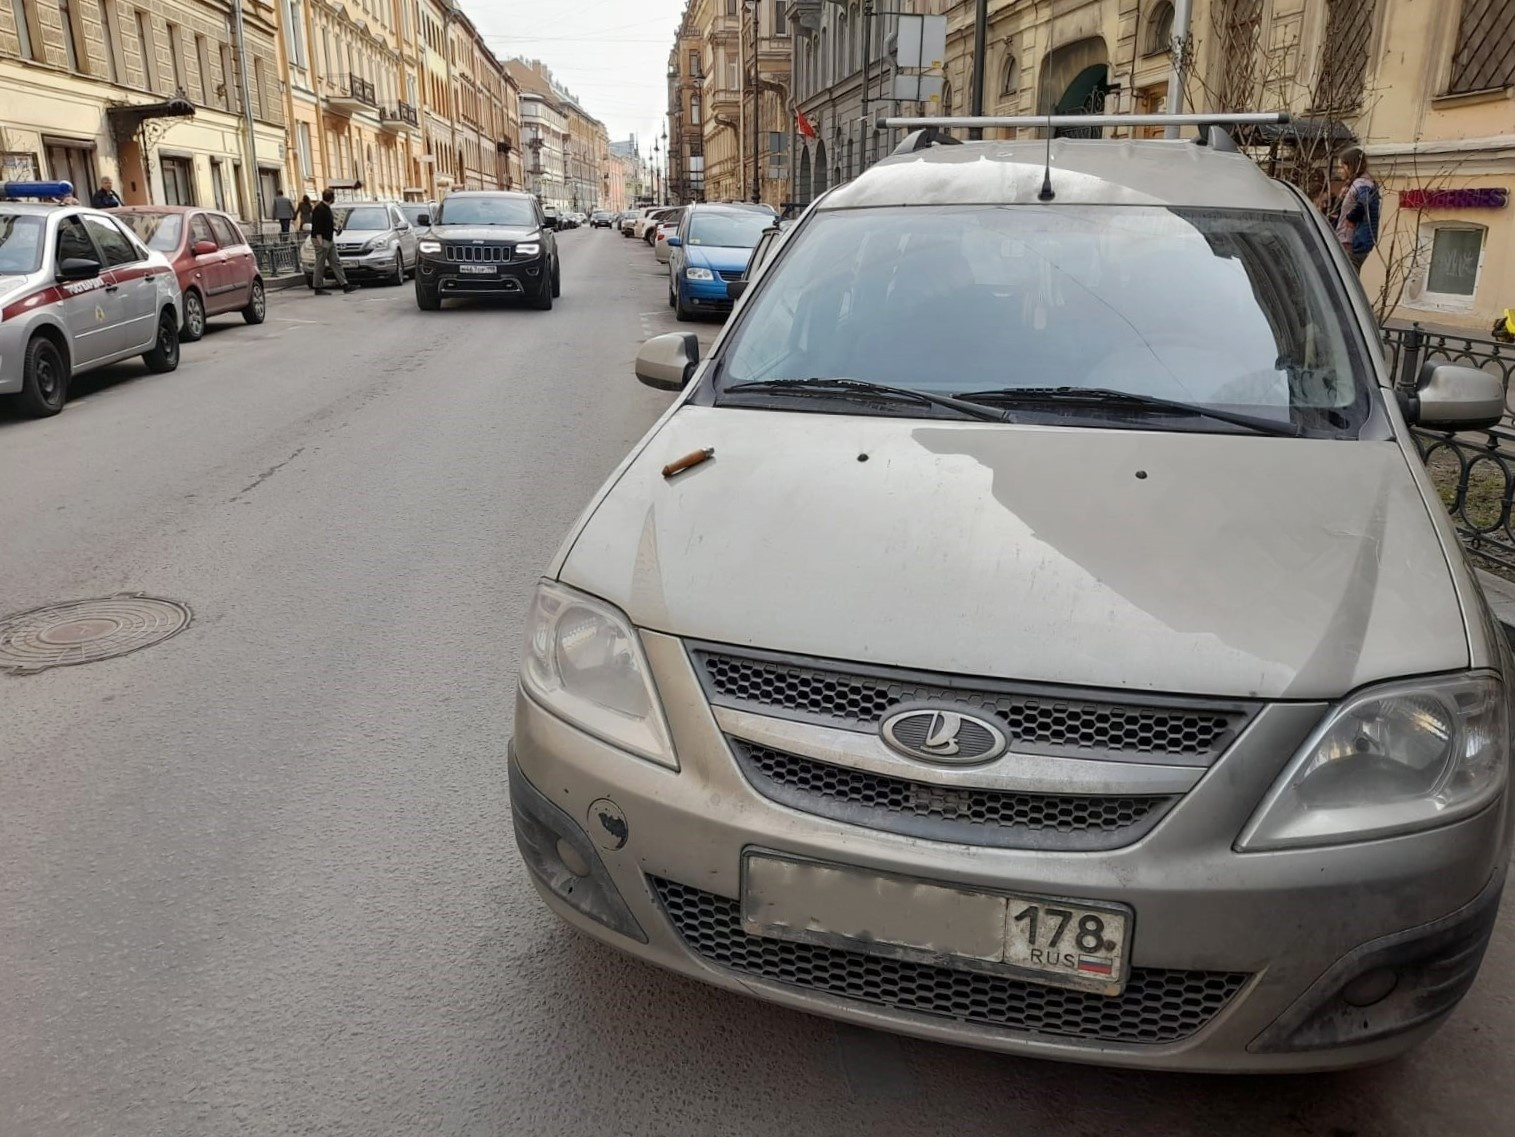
x=1040, y=720
x=1157, y=1006
x=725, y=275
x=968, y=815
x=497, y=254
x=350, y=249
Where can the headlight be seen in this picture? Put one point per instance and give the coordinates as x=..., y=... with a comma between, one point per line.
x=530, y=249
x=698, y=274
x=374, y=244
x=430, y=246
x=584, y=662
x=1392, y=759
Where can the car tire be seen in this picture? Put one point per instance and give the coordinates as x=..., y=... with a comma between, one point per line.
x=428, y=299
x=673, y=301
x=194, y=318
x=557, y=279
x=44, y=379
x=398, y=279
x=257, y=304
x=163, y=356
x=542, y=300
x=681, y=313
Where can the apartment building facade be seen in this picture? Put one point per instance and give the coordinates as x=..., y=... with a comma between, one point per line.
x=149, y=93
x=566, y=150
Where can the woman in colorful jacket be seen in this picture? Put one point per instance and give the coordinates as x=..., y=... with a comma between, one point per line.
x=1357, y=221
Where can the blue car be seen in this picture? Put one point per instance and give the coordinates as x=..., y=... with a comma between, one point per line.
x=712, y=246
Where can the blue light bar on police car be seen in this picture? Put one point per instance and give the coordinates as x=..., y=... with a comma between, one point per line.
x=14, y=190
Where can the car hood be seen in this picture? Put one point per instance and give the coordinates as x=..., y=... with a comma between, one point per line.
x=483, y=232
x=1231, y=565
x=718, y=257
x=364, y=234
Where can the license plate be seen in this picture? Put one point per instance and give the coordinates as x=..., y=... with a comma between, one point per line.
x=1080, y=944
x=477, y=270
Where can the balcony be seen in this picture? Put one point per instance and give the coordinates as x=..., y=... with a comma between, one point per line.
x=399, y=119
x=348, y=94
x=504, y=145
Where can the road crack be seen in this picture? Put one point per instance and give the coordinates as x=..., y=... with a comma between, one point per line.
x=266, y=474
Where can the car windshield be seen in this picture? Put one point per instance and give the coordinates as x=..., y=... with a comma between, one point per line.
x=1223, y=308
x=414, y=213
x=487, y=211
x=159, y=231
x=20, y=244
x=361, y=217
x=727, y=230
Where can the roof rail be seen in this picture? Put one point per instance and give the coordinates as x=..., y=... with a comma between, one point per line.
x=920, y=139
x=1056, y=121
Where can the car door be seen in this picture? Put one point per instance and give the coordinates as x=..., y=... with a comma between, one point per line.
x=238, y=264
x=210, y=261
x=676, y=255
x=130, y=282
x=407, y=237
x=87, y=308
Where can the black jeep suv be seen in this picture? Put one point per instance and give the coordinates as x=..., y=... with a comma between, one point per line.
x=488, y=243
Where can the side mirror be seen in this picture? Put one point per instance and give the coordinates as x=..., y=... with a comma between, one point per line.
x=675, y=242
x=735, y=289
x=205, y=248
x=549, y=222
x=79, y=268
x=423, y=220
x=1451, y=397
x=667, y=362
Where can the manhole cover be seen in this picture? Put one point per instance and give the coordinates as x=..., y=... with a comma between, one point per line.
x=83, y=631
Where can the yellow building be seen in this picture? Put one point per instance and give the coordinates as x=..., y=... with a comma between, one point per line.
x=719, y=107
x=149, y=94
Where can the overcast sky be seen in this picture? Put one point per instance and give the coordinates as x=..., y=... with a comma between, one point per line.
x=611, y=54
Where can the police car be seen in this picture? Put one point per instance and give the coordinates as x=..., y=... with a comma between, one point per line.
x=77, y=291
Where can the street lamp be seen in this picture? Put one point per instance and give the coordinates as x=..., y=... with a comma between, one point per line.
x=667, y=164
x=656, y=196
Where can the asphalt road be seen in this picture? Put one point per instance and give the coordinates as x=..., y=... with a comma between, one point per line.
x=259, y=879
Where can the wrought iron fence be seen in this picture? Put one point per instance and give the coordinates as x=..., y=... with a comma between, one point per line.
x=1474, y=470
x=277, y=255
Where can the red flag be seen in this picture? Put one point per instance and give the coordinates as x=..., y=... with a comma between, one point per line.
x=806, y=130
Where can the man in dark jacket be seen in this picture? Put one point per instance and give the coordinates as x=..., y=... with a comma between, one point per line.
x=323, y=239
x=105, y=197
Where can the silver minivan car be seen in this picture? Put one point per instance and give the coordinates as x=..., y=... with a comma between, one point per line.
x=1032, y=628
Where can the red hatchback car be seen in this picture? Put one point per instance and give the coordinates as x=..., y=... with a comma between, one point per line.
x=216, y=267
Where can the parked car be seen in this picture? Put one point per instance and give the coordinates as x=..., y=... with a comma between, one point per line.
x=488, y=242
x=78, y=291
x=215, y=266
x=712, y=246
x=629, y=221
x=1033, y=627
x=667, y=226
x=375, y=242
x=761, y=253
x=416, y=212
x=646, y=221
x=599, y=219
x=552, y=216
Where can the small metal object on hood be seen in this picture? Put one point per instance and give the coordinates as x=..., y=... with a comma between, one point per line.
x=688, y=462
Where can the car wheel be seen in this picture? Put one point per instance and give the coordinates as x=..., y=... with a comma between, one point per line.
x=164, y=355
x=672, y=300
x=194, y=317
x=398, y=279
x=427, y=299
x=681, y=313
x=557, y=279
x=543, y=298
x=257, y=304
x=44, y=379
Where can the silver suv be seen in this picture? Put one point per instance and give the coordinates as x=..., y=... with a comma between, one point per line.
x=375, y=241
x=1033, y=628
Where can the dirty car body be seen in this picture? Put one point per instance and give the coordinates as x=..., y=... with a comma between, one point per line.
x=1092, y=671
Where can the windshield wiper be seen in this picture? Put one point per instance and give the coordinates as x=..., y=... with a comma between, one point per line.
x=1107, y=397
x=863, y=389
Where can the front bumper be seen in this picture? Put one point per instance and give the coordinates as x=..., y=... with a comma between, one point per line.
x=377, y=265
x=509, y=278
x=13, y=341
x=705, y=295
x=1239, y=961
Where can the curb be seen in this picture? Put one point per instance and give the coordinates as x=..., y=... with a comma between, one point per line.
x=281, y=283
x=1500, y=593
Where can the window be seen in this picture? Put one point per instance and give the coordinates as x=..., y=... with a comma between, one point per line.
x=258, y=87
x=227, y=77
x=73, y=162
x=1484, y=58
x=778, y=154
x=1344, y=55
x=178, y=181
x=294, y=33
x=1160, y=29
x=236, y=187
x=145, y=46
x=202, y=61
x=199, y=228
x=694, y=110
x=113, y=66
x=694, y=64
x=1453, y=256
x=26, y=30
x=731, y=7
x=1010, y=76
x=176, y=56
x=307, y=167
x=118, y=249
x=75, y=47
x=227, y=233
x=218, y=183
x=73, y=242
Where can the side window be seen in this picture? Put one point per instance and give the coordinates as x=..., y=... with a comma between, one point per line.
x=396, y=218
x=226, y=232
x=112, y=242
x=199, y=230
x=74, y=242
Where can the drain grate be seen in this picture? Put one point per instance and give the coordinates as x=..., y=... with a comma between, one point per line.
x=85, y=631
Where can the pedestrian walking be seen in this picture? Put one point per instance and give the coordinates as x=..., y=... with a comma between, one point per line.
x=284, y=210
x=323, y=238
x=303, y=211
x=105, y=197
x=1357, y=222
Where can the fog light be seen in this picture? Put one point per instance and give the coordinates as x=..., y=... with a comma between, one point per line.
x=572, y=859
x=1372, y=987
